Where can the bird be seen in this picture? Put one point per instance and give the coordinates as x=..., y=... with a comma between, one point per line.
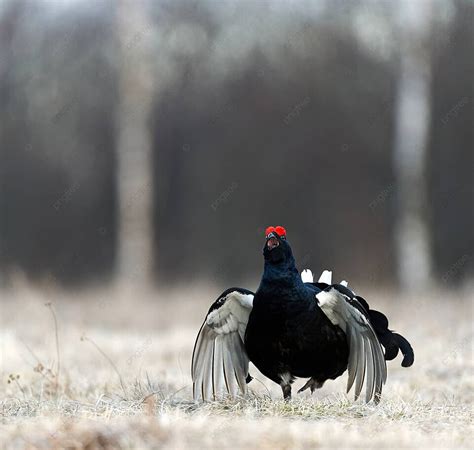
x=293, y=327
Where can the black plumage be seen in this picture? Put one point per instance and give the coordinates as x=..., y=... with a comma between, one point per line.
x=293, y=329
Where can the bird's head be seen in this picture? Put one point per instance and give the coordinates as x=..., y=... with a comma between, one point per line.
x=277, y=250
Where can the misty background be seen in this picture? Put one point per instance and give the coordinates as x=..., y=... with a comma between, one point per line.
x=154, y=141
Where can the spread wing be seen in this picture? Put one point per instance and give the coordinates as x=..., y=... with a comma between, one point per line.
x=366, y=358
x=220, y=363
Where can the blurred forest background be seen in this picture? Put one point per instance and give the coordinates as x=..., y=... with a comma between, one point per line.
x=155, y=140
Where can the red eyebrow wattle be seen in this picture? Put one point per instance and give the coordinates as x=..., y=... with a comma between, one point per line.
x=280, y=231
x=269, y=230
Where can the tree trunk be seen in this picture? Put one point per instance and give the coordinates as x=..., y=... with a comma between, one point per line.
x=134, y=164
x=412, y=231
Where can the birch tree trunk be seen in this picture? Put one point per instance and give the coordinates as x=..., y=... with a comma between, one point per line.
x=134, y=162
x=414, y=260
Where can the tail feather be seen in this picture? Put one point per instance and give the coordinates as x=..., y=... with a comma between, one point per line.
x=389, y=344
x=326, y=277
x=406, y=349
x=392, y=342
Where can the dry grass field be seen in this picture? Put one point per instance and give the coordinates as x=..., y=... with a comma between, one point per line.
x=114, y=374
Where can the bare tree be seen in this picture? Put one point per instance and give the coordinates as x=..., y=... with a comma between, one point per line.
x=134, y=174
x=411, y=139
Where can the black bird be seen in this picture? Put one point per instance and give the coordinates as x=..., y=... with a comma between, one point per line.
x=292, y=327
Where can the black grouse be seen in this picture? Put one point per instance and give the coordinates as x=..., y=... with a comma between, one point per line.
x=293, y=327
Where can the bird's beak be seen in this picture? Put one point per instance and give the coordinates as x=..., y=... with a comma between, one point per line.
x=272, y=241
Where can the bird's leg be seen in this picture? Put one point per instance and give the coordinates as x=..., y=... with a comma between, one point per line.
x=285, y=382
x=286, y=388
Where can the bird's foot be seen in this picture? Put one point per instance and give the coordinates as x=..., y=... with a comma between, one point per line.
x=312, y=384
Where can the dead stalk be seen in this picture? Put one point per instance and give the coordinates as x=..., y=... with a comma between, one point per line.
x=56, y=332
x=85, y=338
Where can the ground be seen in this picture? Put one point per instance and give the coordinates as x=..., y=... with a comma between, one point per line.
x=123, y=379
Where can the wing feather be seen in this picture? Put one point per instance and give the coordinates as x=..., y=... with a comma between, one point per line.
x=199, y=365
x=218, y=369
x=207, y=374
x=239, y=362
x=361, y=367
x=233, y=387
x=366, y=359
x=369, y=384
x=220, y=362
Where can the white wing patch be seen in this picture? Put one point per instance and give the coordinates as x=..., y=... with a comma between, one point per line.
x=307, y=276
x=233, y=315
x=366, y=358
x=220, y=363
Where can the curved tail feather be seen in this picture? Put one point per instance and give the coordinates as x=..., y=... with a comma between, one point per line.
x=392, y=342
x=406, y=349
